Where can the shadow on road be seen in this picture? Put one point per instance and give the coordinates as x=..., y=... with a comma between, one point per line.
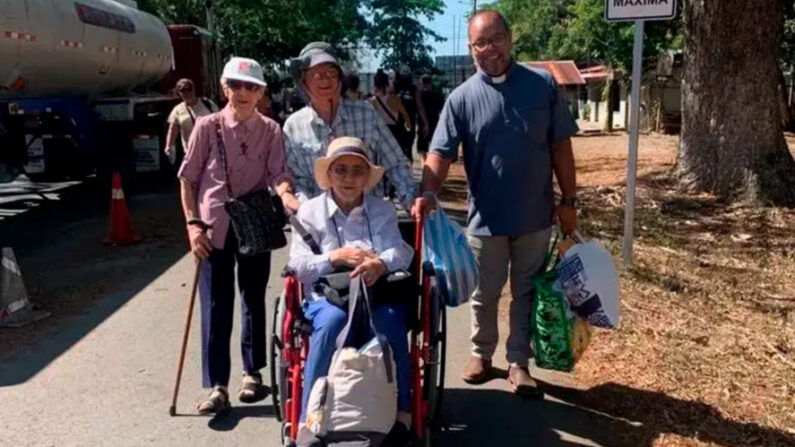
x=230, y=420
x=610, y=415
x=70, y=273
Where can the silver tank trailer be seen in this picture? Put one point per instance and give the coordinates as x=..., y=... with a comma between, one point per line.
x=82, y=47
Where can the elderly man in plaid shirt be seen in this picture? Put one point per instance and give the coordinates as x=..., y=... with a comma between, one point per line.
x=309, y=131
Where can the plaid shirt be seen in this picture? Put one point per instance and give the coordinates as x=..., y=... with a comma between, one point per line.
x=307, y=138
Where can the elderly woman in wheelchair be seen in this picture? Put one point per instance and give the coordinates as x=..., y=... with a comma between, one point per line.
x=357, y=232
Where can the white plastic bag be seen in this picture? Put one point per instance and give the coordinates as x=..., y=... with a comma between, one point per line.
x=445, y=246
x=589, y=280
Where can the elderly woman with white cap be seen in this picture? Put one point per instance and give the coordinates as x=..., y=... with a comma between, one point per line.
x=357, y=231
x=232, y=153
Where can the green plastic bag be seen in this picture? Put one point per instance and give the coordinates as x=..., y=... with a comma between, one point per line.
x=558, y=340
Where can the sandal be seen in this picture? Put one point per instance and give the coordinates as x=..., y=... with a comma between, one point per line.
x=217, y=403
x=252, y=390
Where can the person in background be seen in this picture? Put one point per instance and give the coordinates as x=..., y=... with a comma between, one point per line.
x=432, y=102
x=410, y=96
x=352, y=87
x=516, y=131
x=232, y=153
x=183, y=118
x=265, y=106
x=391, y=108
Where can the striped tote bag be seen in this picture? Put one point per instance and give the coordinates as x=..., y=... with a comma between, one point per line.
x=445, y=246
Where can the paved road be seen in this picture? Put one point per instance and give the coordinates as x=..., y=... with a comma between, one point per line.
x=100, y=372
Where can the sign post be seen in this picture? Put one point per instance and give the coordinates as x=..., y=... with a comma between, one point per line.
x=637, y=11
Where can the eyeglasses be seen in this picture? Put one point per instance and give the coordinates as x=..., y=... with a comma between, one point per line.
x=354, y=171
x=185, y=90
x=237, y=85
x=496, y=40
x=329, y=73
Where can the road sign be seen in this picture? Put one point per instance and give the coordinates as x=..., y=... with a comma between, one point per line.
x=621, y=10
x=637, y=11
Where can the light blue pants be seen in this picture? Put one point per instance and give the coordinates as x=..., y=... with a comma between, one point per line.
x=327, y=322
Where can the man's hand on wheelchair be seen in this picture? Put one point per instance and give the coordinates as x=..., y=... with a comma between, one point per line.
x=423, y=205
x=371, y=270
x=350, y=257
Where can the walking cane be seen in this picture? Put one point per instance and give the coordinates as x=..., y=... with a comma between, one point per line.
x=173, y=409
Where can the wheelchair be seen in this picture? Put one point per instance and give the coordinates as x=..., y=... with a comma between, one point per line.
x=289, y=345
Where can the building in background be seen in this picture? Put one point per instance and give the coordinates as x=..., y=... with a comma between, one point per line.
x=455, y=70
x=568, y=78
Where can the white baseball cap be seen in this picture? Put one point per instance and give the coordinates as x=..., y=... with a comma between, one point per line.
x=244, y=69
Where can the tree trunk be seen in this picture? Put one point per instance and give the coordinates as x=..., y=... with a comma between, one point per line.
x=608, y=94
x=732, y=143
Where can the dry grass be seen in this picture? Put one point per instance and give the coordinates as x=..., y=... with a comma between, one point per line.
x=705, y=354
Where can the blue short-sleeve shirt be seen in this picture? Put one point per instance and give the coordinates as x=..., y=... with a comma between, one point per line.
x=506, y=125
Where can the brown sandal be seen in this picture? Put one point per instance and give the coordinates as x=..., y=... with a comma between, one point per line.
x=252, y=390
x=217, y=403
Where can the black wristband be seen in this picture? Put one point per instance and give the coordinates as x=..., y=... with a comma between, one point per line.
x=571, y=202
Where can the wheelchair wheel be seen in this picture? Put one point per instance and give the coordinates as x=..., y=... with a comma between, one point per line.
x=278, y=369
x=435, y=369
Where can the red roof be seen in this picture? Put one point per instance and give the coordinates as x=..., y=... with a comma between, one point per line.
x=564, y=72
x=595, y=72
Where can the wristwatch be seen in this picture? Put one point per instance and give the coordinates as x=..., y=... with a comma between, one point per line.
x=196, y=221
x=429, y=195
x=571, y=202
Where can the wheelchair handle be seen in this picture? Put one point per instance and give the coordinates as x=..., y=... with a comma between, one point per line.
x=417, y=267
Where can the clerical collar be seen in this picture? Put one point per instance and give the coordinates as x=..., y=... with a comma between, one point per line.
x=498, y=79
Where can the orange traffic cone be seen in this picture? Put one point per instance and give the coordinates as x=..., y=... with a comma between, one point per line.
x=120, y=231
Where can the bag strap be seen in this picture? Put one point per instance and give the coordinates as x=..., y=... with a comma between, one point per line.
x=207, y=103
x=386, y=109
x=190, y=112
x=358, y=292
x=222, y=153
x=299, y=228
x=550, y=253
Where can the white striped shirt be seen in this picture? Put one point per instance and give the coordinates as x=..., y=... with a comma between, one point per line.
x=371, y=226
x=307, y=137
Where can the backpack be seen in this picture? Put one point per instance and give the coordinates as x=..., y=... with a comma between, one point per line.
x=357, y=401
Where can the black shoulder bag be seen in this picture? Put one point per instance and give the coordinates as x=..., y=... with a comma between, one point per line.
x=257, y=218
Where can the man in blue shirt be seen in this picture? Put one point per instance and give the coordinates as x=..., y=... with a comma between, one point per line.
x=515, y=130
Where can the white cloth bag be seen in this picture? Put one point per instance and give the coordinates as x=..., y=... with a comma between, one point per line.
x=360, y=392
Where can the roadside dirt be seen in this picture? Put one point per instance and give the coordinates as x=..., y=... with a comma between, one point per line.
x=705, y=355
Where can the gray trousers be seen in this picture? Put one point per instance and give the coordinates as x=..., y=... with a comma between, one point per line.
x=494, y=255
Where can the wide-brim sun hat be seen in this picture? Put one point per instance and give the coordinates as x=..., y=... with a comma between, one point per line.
x=338, y=148
x=244, y=69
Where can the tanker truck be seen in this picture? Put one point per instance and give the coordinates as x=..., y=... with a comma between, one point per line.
x=86, y=85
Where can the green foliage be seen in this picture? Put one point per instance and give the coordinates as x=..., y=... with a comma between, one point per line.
x=270, y=31
x=577, y=30
x=532, y=24
x=788, y=38
x=397, y=34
